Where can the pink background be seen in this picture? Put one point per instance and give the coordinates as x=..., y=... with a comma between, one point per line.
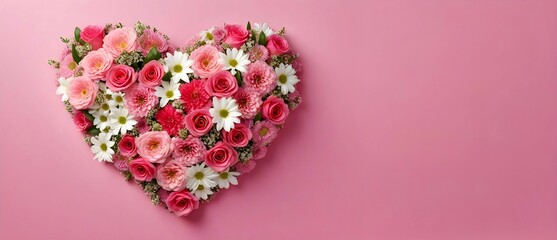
x=421, y=120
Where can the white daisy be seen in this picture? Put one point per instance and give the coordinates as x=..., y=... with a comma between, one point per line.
x=121, y=121
x=200, y=175
x=263, y=27
x=102, y=147
x=101, y=120
x=286, y=78
x=168, y=91
x=116, y=99
x=202, y=192
x=62, y=89
x=225, y=113
x=226, y=178
x=179, y=65
x=207, y=35
x=234, y=59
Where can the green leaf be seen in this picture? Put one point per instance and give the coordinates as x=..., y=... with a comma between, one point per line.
x=257, y=117
x=153, y=54
x=248, y=27
x=253, y=35
x=262, y=39
x=77, y=35
x=239, y=78
x=167, y=76
x=94, y=131
x=88, y=115
x=75, y=56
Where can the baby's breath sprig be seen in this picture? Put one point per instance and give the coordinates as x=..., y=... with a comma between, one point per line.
x=244, y=153
x=151, y=188
x=191, y=48
x=246, y=47
x=87, y=139
x=69, y=107
x=134, y=132
x=284, y=59
x=210, y=139
x=65, y=40
x=82, y=50
x=178, y=105
x=140, y=28
x=282, y=32
x=294, y=103
x=226, y=46
x=130, y=58
x=127, y=175
x=183, y=133
x=54, y=63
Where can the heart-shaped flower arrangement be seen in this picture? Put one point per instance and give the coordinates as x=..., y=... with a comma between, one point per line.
x=182, y=123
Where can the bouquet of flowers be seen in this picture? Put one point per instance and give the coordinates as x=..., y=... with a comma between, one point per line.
x=183, y=123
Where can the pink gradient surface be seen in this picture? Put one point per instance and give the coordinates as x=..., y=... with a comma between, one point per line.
x=421, y=120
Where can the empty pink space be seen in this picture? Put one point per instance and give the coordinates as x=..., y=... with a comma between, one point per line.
x=424, y=120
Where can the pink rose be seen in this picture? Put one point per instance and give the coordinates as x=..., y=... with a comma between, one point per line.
x=274, y=109
x=127, y=146
x=151, y=74
x=239, y=136
x=96, y=63
x=182, y=203
x=171, y=176
x=151, y=39
x=277, y=45
x=199, y=122
x=205, y=61
x=221, y=84
x=219, y=34
x=154, y=146
x=221, y=157
x=93, y=34
x=120, y=40
x=82, y=92
x=120, y=77
x=142, y=170
x=236, y=35
x=82, y=123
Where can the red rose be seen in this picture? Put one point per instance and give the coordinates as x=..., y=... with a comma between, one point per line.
x=274, y=109
x=236, y=35
x=277, y=45
x=221, y=84
x=81, y=121
x=120, y=77
x=239, y=136
x=127, y=146
x=199, y=122
x=170, y=119
x=93, y=35
x=221, y=157
x=182, y=203
x=151, y=74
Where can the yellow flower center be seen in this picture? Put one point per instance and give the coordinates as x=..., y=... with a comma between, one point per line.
x=224, y=113
x=122, y=120
x=72, y=65
x=282, y=78
x=198, y=175
x=177, y=68
x=233, y=62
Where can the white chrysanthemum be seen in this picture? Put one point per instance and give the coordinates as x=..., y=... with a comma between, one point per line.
x=63, y=88
x=225, y=113
x=226, y=178
x=121, y=121
x=207, y=35
x=168, y=91
x=263, y=27
x=104, y=107
x=286, y=78
x=179, y=65
x=102, y=147
x=116, y=99
x=233, y=60
x=101, y=120
x=200, y=175
x=202, y=192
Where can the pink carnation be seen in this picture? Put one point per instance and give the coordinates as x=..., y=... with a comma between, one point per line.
x=258, y=151
x=120, y=162
x=264, y=132
x=260, y=78
x=170, y=119
x=205, y=61
x=194, y=95
x=188, y=151
x=150, y=39
x=67, y=66
x=171, y=176
x=258, y=52
x=96, y=64
x=142, y=125
x=140, y=99
x=120, y=40
x=248, y=102
x=245, y=167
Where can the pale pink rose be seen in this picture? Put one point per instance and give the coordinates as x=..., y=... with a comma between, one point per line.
x=258, y=151
x=258, y=52
x=260, y=78
x=67, y=66
x=151, y=74
x=236, y=35
x=171, y=176
x=120, y=40
x=154, y=146
x=151, y=39
x=182, y=203
x=199, y=122
x=274, y=109
x=221, y=156
x=221, y=84
x=127, y=146
x=93, y=34
x=188, y=151
x=141, y=169
x=205, y=61
x=239, y=136
x=277, y=45
x=219, y=34
x=82, y=92
x=82, y=123
x=245, y=167
x=120, y=77
x=264, y=132
x=96, y=64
